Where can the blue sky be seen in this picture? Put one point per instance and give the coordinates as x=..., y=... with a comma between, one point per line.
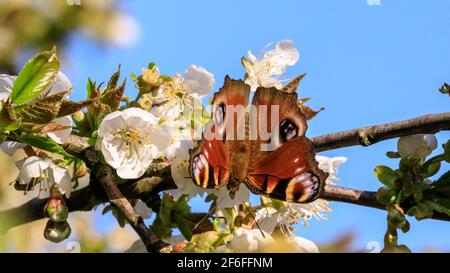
x=366, y=65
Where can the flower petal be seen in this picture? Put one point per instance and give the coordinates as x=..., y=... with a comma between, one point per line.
x=6, y=85
x=198, y=81
x=61, y=136
x=61, y=83
x=10, y=147
x=61, y=177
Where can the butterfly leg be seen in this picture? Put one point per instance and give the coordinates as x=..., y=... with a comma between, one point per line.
x=233, y=186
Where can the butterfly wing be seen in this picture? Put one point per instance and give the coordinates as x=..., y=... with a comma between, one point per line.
x=289, y=173
x=210, y=163
x=274, y=130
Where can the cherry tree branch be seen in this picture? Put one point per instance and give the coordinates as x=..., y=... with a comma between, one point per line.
x=427, y=124
x=363, y=198
x=115, y=196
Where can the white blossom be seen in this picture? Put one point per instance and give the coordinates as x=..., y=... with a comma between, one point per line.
x=250, y=240
x=198, y=81
x=416, y=146
x=10, y=147
x=35, y=170
x=6, y=84
x=142, y=209
x=224, y=200
x=180, y=174
x=331, y=166
x=178, y=95
x=302, y=245
x=266, y=71
x=130, y=140
x=61, y=136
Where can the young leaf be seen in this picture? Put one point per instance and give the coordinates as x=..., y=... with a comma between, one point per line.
x=165, y=210
x=70, y=107
x=386, y=195
x=181, y=206
x=421, y=211
x=45, y=144
x=40, y=111
x=432, y=169
x=35, y=77
x=391, y=154
x=184, y=225
x=443, y=181
x=387, y=176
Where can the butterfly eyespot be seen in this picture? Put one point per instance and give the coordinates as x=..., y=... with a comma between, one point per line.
x=288, y=130
x=200, y=170
x=303, y=187
x=219, y=114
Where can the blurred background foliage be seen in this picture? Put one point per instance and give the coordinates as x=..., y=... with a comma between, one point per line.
x=35, y=25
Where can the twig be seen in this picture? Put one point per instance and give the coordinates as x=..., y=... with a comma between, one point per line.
x=366, y=136
x=363, y=198
x=152, y=243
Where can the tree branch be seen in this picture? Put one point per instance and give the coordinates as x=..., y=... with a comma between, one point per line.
x=152, y=243
x=427, y=124
x=363, y=198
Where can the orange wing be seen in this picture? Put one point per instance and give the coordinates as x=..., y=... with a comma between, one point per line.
x=210, y=163
x=290, y=173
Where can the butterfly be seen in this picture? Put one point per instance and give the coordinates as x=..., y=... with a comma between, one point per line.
x=280, y=165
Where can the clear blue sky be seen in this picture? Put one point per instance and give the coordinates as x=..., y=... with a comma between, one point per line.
x=366, y=65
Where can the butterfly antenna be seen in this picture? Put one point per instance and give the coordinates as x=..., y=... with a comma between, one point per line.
x=210, y=212
x=256, y=222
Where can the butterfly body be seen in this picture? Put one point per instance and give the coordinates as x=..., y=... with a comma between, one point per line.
x=247, y=145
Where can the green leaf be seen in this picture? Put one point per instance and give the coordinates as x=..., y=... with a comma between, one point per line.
x=89, y=87
x=161, y=230
x=393, y=155
x=35, y=77
x=447, y=151
x=13, y=126
x=216, y=224
x=184, y=226
x=395, y=217
x=387, y=176
x=421, y=211
x=432, y=169
x=165, y=210
x=443, y=181
x=386, y=195
x=445, y=89
x=181, y=206
x=45, y=144
x=437, y=205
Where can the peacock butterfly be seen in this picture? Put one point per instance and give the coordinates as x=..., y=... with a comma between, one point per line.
x=280, y=164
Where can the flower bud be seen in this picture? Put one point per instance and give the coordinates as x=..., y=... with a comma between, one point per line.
x=150, y=75
x=78, y=116
x=56, y=209
x=82, y=171
x=416, y=146
x=57, y=232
